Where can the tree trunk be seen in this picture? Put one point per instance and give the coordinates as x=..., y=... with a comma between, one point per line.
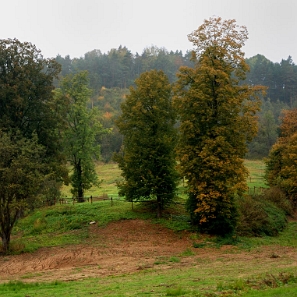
x=5, y=241
x=159, y=207
x=80, y=190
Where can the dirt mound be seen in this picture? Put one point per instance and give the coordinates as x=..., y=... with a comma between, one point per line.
x=121, y=247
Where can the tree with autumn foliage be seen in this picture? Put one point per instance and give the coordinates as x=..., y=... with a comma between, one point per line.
x=217, y=119
x=282, y=160
x=147, y=123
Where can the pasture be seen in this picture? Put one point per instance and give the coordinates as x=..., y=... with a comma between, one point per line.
x=128, y=252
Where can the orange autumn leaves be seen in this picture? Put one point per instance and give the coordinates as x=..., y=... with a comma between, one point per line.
x=282, y=160
x=217, y=119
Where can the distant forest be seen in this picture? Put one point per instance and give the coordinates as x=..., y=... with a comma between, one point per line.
x=112, y=74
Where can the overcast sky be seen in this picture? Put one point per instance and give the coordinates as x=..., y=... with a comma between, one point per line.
x=74, y=27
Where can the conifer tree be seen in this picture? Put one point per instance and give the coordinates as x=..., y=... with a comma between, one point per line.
x=217, y=118
x=147, y=124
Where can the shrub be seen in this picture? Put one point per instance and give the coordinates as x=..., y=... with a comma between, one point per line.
x=259, y=216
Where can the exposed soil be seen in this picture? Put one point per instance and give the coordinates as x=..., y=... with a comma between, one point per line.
x=126, y=247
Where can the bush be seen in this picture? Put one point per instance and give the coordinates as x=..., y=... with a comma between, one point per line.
x=259, y=216
x=278, y=197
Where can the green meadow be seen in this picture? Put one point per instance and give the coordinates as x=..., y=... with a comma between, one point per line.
x=68, y=224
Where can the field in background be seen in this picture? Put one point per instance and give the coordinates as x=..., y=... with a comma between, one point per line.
x=110, y=173
x=256, y=181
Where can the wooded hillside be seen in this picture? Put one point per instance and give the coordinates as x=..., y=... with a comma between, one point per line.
x=112, y=73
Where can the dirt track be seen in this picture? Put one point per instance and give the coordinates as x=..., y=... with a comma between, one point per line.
x=126, y=247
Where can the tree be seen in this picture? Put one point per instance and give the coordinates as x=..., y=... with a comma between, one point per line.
x=217, y=118
x=22, y=171
x=26, y=100
x=147, y=124
x=282, y=160
x=83, y=126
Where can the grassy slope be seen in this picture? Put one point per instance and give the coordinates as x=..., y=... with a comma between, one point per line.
x=67, y=224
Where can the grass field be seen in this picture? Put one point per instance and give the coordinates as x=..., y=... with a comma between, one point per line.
x=110, y=173
x=63, y=225
x=256, y=170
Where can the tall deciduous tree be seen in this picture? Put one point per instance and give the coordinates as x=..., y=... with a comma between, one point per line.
x=282, y=160
x=147, y=124
x=217, y=117
x=22, y=171
x=83, y=126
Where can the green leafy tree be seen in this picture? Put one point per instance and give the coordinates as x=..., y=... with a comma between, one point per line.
x=22, y=172
x=26, y=100
x=217, y=118
x=147, y=124
x=83, y=126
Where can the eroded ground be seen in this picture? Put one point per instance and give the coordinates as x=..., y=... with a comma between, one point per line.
x=131, y=245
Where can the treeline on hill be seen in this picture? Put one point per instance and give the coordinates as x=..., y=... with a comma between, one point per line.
x=112, y=73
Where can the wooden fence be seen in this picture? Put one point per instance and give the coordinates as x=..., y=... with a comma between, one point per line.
x=89, y=199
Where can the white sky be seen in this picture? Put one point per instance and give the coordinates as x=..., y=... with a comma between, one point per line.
x=74, y=27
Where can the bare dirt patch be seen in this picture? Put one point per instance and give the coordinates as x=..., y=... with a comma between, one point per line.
x=126, y=247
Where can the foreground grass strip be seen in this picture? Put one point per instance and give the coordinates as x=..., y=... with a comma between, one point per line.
x=203, y=280
x=184, y=283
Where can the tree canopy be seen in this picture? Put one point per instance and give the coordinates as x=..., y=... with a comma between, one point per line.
x=26, y=99
x=147, y=124
x=217, y=118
